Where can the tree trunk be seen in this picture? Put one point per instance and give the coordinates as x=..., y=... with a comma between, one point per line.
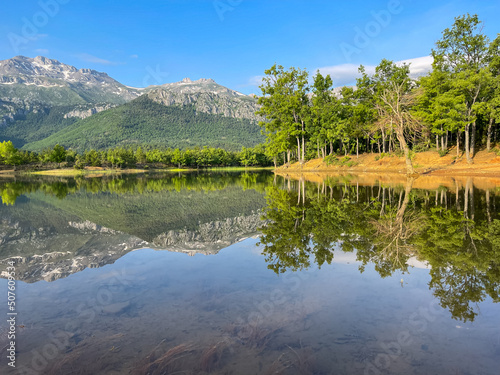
x=473, y=140
x=437, y=142
x=402, y=141
x=458, y=144
x=303, y=158
x=467, y=144
x=357, y=147
x=488, y=141
x=383, y=141
x=298, y=149
x=466, y=199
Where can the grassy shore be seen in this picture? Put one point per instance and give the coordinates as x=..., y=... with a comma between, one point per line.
x=70, y=172
x=97, y=171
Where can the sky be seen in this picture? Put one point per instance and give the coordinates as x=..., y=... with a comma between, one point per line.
x=151, y=42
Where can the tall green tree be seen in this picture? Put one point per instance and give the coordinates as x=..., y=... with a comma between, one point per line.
x=463, y=52
x=285, y=104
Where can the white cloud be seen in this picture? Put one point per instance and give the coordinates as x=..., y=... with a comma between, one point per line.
x=346, y=74
x=94, y=59
x=419, y=66
x=134, y=56
x=255, y=81
x=42, y=51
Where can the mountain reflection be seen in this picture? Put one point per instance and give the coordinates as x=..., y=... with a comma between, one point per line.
x=59, y=226
x=456, y=234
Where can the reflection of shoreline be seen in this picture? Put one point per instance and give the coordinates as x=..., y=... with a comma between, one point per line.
x=486, y=164
x=428, y=182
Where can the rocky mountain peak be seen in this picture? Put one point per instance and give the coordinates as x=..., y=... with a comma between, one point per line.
x=45, y=82
x=198, y=81
x=206, y=96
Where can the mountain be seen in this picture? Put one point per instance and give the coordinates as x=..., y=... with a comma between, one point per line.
x=44, y=102
x=206, y=96
x=42, y=81
x=40, y=96
x=165, y=118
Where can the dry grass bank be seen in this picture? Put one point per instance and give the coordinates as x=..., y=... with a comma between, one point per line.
x=433, y=170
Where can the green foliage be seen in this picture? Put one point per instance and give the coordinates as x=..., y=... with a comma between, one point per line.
x=420, y=148
x=145, y=122
x=285, y=105
x=36, y=126
x=388, y=108
x=9, y=155
x=382, y=155
x=120, y=157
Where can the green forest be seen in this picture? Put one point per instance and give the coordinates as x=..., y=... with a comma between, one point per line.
x=145, y=122
x=456, y=103
x=119, y=157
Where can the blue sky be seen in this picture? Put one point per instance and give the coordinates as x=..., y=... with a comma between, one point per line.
x=145, y=42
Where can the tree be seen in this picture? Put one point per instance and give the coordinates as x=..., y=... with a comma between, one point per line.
x=463, y=52
x=9, y=155
x=285, y=105
x=394, y=99
x=57, y=154
x=441, y=107
x=322, y=114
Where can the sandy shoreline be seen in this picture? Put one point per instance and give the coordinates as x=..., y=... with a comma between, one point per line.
x=433, y=170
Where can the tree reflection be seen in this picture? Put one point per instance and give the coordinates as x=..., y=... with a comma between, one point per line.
x=387, y=226
x=61, y=187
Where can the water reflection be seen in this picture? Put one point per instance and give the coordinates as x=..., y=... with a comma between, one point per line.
x=295, y=304
x=58, y=226
x=388, y=226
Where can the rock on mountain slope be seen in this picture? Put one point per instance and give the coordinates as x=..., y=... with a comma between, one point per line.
x=207, y=96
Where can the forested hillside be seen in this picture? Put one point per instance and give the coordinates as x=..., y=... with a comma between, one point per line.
x=144, y=121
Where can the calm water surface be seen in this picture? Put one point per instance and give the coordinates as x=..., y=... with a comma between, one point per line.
x=251, y=274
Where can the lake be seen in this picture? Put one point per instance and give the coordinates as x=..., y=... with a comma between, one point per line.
x=249, y=273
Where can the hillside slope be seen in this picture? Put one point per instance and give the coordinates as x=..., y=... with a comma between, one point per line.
x=144, y=121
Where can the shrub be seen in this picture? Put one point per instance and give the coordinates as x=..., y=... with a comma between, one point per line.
x=420, y=148
x=330, y=159
x=443, y=152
